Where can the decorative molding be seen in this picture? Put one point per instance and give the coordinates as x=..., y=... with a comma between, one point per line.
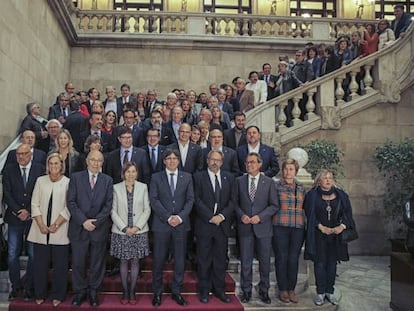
x=331, y=118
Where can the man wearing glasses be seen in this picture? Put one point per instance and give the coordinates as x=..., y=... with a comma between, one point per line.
x=89, y=201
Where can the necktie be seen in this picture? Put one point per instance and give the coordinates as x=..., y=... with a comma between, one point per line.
x=267, y=79
x=24, y=177
x=172, y=188
x=64, y=112
x=217, y=194
x=125, y=160
x=92, y=181
x=252, y=190
x=153, y=159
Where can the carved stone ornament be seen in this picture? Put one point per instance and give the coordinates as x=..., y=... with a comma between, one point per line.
x=391, y=91
x=331, y=118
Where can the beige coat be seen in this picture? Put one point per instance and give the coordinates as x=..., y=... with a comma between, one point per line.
x=40, y=203
x=141, y=208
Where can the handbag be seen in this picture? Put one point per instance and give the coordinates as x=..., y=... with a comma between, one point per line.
x=350, y=233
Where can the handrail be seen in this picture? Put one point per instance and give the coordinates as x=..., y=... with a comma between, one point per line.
x=384, y=74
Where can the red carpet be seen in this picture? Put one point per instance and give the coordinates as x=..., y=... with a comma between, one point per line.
x=111, y=302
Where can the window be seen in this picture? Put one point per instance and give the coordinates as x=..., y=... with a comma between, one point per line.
x=138, y=5
x=313, y=8
x=385, y=8
x=228, y=6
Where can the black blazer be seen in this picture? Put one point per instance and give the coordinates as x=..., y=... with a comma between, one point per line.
x=194, y=159
x=230, y=163
x=86, y=203
x=270, y=90
x=138, y=136
x=108, y=143
x=76, y=123
x=15, y=195
x=270, y=165
x=205, y=201
x=230, y=138
x=160, y=155
x=55, y=112
x=31, y=123
x=114, y=169
x=38, y=156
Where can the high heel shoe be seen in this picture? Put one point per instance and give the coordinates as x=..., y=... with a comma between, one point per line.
x=56, y=302
x=39, y=301
x=132, y=298
x=124, y=299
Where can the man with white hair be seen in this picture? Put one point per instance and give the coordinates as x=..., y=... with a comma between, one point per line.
x=53, y=127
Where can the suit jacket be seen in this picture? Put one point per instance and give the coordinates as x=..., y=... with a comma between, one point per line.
x=138, y=136
x=264, y=205
x=230, y=163
x=205, y=201
x=86, y=203
x=45, y=144
x=31, y=123
x=113, y=166
x=108, y=143
x=402, y=25
x=160, y=155
x=55, y=112
x=141, y=208
x=76, y=123
x=167, y=136
x=194, y=159
x=270, y=90
x=246, y=101
x=131, y=100
x=39, y=156
x=164, y=204
x=230, y=138
x=15, y=195
x=42, y=192
x=270, y=165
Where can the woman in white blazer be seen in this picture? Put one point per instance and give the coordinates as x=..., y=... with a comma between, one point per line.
x=129, y=240
x=49, y=231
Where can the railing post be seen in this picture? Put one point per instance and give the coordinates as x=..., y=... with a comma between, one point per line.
x=368, y=80
x=282, y=116
x=339, y=92
x=296, y=111
x=310, y=105
x=353, y=86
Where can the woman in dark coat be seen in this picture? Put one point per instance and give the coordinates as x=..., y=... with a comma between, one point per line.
x=329, y=213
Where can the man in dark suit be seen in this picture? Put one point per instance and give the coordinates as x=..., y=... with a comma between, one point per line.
x=128, y=153
x=223, y=105
x=402, y=21
x=214, y=210
x=61, y=111
x=155, y=151
x=236, y=136
x=244, y=97
x=96, y=122
x=38, y=156
x=89, y=201
x=167, y=136
x=171, y=198
x=269, y=79
x=152, y=101
x=270, y=165
x=177, y=116
x=18, y=183
x=138, y=134
x=76, y=123
x=126, y=98
x=47, y=144
x=256, y=203
x=191, y=155
x=230, y=163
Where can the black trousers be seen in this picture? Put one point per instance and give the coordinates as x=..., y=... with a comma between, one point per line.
x=58, y=255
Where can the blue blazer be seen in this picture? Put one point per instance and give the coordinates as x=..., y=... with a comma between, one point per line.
x=265, y=205
x=270, y=165
x=164, y=204
x=39, y=156
x=86, y=203
x=194, y=159
x=230, y=163
x=205, y=201
x=15, y=195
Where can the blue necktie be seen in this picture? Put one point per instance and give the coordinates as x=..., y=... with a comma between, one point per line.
x=153, y=159
x=172, y=188
x=24, y=176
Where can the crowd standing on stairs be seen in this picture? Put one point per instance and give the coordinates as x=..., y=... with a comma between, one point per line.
x=173, y=178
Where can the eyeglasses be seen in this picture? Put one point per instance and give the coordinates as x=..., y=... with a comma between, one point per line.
x=22, y=154
x=93, y=160
x=215, y=160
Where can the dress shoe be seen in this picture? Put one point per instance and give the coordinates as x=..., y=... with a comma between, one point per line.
x=179, y=299
x=319, y=300
x=93, y=299
x=203, y=297
x=284, y=296
x=28, y=295
x=78, y=299
x=223, y=297
x=264, y=297
x=245, y=297
x=39, y=301
x=13, y=295
x=56, y=302
x=156, y=300
x=124, y=298
x=331, y=298
x=292, y=296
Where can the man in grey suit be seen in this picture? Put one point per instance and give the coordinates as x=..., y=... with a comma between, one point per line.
x=172, y=198
x=256, y=203
x=89, y=202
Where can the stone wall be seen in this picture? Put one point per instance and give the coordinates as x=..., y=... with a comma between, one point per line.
x=162, y=70
x=358, y=137
x=35, y=60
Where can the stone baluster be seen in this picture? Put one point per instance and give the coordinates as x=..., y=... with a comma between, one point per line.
x=289, y=29
x=368, y=79
x=183, y=24
x=272, y=28
x=80, y=25
x=118, y=22
x=306, y=33
x=263, y=26
x=237, y=26
x=173, y=25
x=333, y=30
x=281, y=26
x=310, y=105
x=296, y=110
x=90, y=24
x=218, y=27
x=146, y=23
x=163, y=24
x=245, y=27
x=353, y=86
x=109, y=20
x=99, y=25
x=227, y=29
x=209, y=26
x=282, y=116
x=254, y=27
x=136, y=24
x=339, y=92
